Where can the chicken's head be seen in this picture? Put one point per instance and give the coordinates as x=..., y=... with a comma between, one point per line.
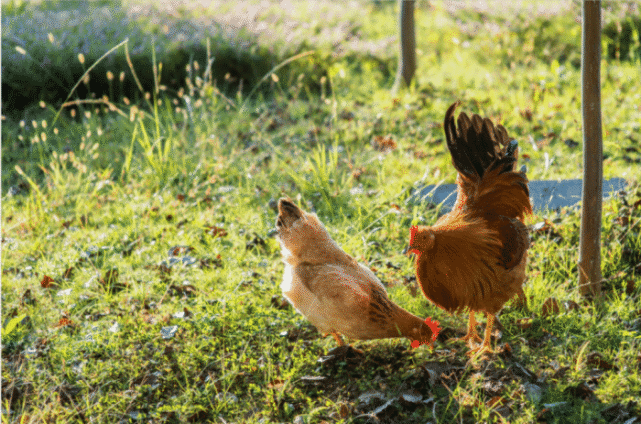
x=426, y=334
x=421, y=239
x=288, y=213
x=290, y=224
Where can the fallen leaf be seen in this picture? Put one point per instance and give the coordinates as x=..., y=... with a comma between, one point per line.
x=356, y=173
x=581, y=390
x=180, y=250
x=110, y=282
x=343, y=410
x=68, y=273
x=47, y=282
x=208, y=262
x=183, y=289
x=346, y=115
x=276, y=384
x=595, y=359
x=506, y=351
x=571, y=305
x=214, y=231
x=27, y=298
x=383, y=144
x=256, y=242
x=409, y=281
x=629, y=287
x=550, y=307
x=279, y=302
x=524, y=323
x=544, y=415
x=526, y=113
x=65, y=322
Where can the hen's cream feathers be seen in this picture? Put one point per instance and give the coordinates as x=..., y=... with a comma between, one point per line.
x=333, y=291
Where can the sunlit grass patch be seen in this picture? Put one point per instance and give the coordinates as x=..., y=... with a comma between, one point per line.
x=140, y=283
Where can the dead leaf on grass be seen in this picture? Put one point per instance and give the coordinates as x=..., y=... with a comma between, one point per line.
x=65, y=322
x=27, y=298
x=571, y=305
x=524, y=323
x=179, y=250
x=581, y=390
x=256, y=242
x=279, y=302
x=68, y=273
x=215, y=231
x=383, y=144
x=595, y=359
x=409, y=281
x=276, y=384
x=550, y=307
x=48, y=283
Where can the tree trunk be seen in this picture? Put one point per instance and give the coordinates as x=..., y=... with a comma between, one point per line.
x=590, y=241
x=407, y=36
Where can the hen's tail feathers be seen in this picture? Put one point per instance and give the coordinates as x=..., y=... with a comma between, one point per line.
x=485, y=157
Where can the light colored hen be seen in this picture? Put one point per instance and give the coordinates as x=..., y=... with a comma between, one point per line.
x=329, y=288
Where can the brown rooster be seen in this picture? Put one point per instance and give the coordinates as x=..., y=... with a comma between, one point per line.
x=474, y=257
x=333, y=291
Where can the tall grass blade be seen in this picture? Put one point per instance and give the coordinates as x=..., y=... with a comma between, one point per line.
x=111, y=50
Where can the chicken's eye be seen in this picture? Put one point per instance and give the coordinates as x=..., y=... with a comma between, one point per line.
x=279, y=223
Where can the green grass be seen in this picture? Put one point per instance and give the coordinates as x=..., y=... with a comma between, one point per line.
x=153, y=219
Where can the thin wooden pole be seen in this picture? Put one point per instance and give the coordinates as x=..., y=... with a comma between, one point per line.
x=407, y=36
x=590, y=240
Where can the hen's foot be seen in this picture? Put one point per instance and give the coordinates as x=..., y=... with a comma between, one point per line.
x=480, y=351
x=470, y=339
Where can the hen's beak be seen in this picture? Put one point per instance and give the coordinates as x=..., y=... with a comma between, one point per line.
x=272, y=232
x=407, y=251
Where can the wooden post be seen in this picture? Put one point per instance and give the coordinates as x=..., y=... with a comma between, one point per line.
x=590, y=240
x=407, y=36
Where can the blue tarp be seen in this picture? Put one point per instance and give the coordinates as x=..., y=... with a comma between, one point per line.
x=544, y=194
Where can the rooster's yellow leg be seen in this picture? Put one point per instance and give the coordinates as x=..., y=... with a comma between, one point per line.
x=338, y=339
x=472, y=335
x=486, y=347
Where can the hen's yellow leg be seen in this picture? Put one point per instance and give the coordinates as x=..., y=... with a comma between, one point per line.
x=340, y=341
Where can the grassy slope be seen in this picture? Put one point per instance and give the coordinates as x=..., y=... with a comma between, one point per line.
x=115, y=210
